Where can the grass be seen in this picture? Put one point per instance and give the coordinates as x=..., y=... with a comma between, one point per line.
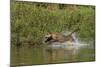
x=31, y=21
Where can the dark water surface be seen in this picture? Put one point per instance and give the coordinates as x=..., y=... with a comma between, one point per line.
x=32, y=55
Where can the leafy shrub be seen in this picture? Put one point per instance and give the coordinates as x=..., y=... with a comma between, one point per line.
x=30, y=22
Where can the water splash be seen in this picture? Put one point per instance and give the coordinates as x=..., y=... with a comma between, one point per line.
x=76, y=45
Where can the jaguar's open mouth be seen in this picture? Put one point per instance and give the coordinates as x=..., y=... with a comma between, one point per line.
x=47, y=39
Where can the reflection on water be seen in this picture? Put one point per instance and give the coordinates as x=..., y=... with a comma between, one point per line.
x=26, y=55
x=54, y=53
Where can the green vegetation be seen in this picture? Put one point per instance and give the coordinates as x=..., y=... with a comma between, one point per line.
x=31, y=21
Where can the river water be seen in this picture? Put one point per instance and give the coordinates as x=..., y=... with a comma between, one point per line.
x=55, y=53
